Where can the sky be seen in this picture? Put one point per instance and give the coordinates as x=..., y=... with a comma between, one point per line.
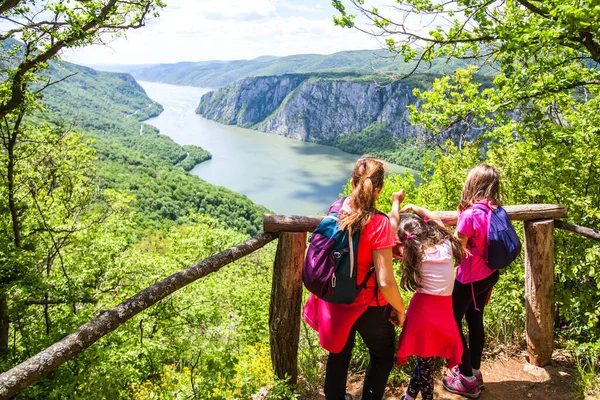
x=201, y=30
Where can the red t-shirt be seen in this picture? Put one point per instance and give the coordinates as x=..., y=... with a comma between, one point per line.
x=333, y=322
x=376, y=235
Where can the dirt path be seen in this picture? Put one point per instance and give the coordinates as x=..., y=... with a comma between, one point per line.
x=505, y=379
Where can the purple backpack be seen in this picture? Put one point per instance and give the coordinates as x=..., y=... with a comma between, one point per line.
x=503, y=244
x=329, y=269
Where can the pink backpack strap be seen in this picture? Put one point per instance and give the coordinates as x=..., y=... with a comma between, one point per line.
x=337, y=205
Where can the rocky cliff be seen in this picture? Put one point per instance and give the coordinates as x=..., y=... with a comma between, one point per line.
x=312, y=108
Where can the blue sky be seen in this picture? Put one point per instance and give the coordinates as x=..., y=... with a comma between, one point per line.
x=198, y=30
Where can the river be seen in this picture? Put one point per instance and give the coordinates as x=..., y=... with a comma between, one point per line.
x=285, y=175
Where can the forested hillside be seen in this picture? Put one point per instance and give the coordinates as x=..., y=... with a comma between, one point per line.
x=134, y=158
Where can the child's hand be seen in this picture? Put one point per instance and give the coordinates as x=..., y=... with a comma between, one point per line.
x=407, y=208
x=399, y=196
x=396, y=318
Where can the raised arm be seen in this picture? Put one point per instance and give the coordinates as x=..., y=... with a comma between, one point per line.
x=397, y=199
x=423, y=213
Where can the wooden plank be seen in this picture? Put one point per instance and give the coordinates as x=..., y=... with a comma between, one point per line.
x=539, y=286
x=525, y=212
x=580, y=230
x=286, y=299
x=49, y=359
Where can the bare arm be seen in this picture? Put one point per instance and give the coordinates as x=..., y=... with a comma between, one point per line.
x=423, y=213
x=397, y=199
x=463, y=239
x=387, y=282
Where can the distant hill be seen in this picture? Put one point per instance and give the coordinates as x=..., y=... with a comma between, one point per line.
x=214, y=74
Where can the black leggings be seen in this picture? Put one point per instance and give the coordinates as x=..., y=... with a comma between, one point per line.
x=462, y=304
x=421, y=379
x=378, y=334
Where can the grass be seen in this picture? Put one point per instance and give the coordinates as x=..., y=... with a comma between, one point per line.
x=587, y=369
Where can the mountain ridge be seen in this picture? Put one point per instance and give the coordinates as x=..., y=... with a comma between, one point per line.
x=325, y=108
x=215, y=74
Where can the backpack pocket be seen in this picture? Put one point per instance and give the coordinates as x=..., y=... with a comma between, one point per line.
x=345, y=290
x=503, y=242
x=319, y=265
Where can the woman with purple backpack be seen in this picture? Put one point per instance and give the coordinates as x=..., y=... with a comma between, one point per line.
x=474, y=279
x=378, y=306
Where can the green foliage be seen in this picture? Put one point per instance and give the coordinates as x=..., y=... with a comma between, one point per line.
x=209, y=339
x=195, y=155
x=282, y=390
x=588, y=367
x=75, y=206
x=380, y=143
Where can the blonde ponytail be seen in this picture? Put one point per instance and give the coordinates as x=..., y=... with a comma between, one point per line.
x=367, y=181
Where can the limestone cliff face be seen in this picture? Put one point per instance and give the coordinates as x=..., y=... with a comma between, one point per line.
x=309, y=109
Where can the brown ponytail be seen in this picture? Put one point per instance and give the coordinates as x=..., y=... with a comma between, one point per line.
x=367, y=181
x=416, y=235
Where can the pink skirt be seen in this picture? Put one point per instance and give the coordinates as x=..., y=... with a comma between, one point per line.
x=334, y=322
x=430, y=330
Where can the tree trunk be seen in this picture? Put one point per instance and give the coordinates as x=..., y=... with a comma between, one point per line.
x=4, y=325
x=539, y=285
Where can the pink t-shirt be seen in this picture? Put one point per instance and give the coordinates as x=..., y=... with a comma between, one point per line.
x=473, y=223
x=437, y=271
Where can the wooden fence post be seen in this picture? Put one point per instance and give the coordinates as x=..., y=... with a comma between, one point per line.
x=286, y=299
x=539, y=284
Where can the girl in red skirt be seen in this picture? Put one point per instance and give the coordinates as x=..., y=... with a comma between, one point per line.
x=428, y=252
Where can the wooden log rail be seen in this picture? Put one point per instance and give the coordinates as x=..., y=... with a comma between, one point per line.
x=297, y=223
x=579, y=230
x=49, y=359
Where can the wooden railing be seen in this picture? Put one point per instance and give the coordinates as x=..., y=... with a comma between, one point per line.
x=286, y=294
x=284, y=323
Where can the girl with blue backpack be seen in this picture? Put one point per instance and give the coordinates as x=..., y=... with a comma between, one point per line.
x=474, y=279
x=378, y=305
x=428, y=253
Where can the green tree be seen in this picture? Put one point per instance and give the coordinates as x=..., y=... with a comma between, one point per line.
x=47, y=172
x=538, y=123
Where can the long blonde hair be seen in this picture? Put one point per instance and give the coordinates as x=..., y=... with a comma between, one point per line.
x=483, y=183
x=367, y=181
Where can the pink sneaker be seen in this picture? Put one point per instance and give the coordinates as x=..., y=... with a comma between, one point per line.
x=455, y=371
x=459, y=385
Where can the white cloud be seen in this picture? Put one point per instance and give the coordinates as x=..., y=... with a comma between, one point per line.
x=223, y=8
x=229, y=29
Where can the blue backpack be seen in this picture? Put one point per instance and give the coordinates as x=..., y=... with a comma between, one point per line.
x=330, y=265
x=503, y=242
